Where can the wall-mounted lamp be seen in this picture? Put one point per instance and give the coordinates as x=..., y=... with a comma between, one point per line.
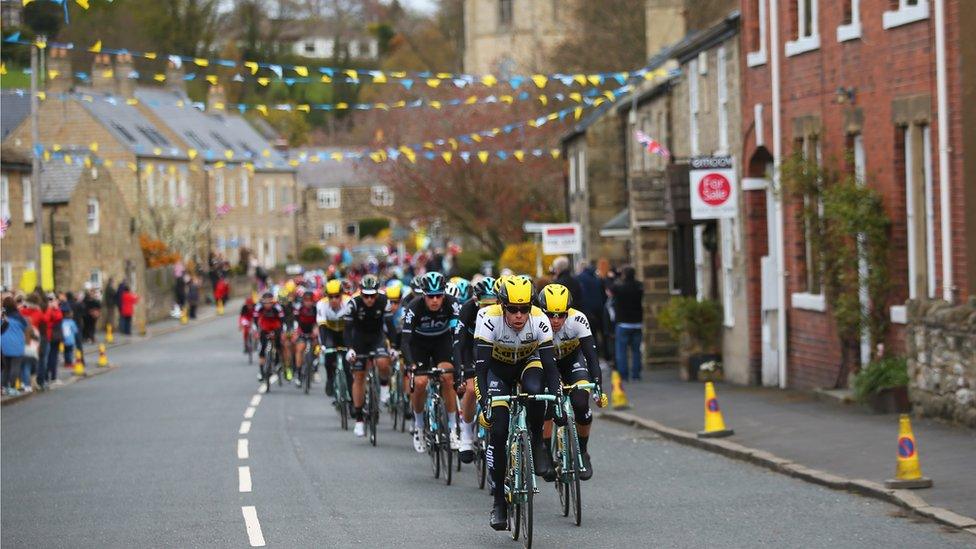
x=845, y=95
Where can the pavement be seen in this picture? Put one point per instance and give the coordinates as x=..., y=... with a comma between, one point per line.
x=844, y=440
x=152, y=455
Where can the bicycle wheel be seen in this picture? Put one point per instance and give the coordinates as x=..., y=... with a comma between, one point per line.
x=373, y=405
x=249, y=347
x=480, y=463
x=525, y=507
x=444, y=442
x=307, y=370
x=574, y=497
x=561, y=488
x=434, y=452
x=514, y=482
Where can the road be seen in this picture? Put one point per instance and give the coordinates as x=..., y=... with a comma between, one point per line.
x=149, y=455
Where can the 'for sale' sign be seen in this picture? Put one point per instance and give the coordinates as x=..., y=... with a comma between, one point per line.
x=713, y=187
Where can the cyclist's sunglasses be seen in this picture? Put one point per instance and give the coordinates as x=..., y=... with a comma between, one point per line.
x=557, y=315
x=515, y=309
x=395, y=301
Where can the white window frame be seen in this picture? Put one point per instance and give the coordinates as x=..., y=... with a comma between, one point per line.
x=184, y=193
x=245, y=187
x=271, y=198
x=95, y=278
x=852, y=30
x=905, y=14
x=5, y=196
x=914, y=240
x=92, y=216
x=721, y=76
x=758, y=58
x=381, y=196
x=328, y=198
x=171, y=188
x=7, y=275
x=698, y=232
x=809, y=302
x=727, y=238
x=573, y=183
x=151, y=186
x=758, y=120
x=693, y=108
x=28, y=194
x=231, y=195
x=807, y=39
x=329, y=230
x=219, y=196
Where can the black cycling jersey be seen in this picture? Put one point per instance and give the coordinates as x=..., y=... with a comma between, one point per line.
x=420, y=323
x=464, y=333
x=362, y=320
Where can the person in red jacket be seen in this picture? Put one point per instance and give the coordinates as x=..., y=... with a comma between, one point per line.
x=127, y=307
x=221, y=290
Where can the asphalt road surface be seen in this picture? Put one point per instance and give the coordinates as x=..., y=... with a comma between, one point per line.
x=151, y=456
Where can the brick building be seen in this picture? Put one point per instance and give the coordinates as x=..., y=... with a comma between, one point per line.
x=16, y=210
x=858, y=80
x=513, y=37
x=336, y=198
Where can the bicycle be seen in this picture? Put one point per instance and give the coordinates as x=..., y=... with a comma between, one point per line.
x=399, y=402
x=371, y=407
x=308, y=363
x=520, y=483
x=436, y=432
x=340, y=384
x=479, y=446
x=271, y=361
x=567, y=458
x=249, y=337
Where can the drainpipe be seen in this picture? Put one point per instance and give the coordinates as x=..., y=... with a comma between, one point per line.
x=777, y=161
x=944, y=179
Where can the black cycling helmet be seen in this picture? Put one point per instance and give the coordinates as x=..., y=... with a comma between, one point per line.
x=433, y=283
x=369, y=285
x=267, y=295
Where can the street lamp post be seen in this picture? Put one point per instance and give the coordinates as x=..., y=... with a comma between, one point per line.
x=35, y=51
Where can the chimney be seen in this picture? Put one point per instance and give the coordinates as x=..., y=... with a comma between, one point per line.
x=58, y=67
x=215, y=97
x=665, y=24
x=123, y=68
x=174, y=78
x=103, y=75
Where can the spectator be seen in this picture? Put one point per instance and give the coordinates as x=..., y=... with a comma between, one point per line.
x=12, y=329
x=109, y=302
x=564, y=276
x=222, y=290
x=52, y=321
x=179, y=289
x=32, y=350
x=628, y=298
x=93, y=310
x=193, y=295
x=71, y=336
x=77, y=314
x=127, y=307
x=32, y=312
x=592, y=304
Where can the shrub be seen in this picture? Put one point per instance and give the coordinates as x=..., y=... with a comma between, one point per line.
x=468, y=262
x=312, y=254
x=880, y=374
x=372, y=226
x=520, y=258
x=699, y=320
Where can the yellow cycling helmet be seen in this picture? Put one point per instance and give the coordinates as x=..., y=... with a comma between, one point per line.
x=555, y=298
x=333, y=287
x=515, y=291
x=394, y=291
x=289, y=287
x=497, y=286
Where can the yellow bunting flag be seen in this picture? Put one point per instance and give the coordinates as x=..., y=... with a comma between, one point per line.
x=229, y=154
x=301, y=71
x=580, y=79
x=379, y=78
x=433, y=82
x=192, y=153
x=303, y=108
x=337, y=156
x=159, y=77
x=132, y=101
x=475, y=137
x=212, y=78
x=453, y=142
x=157, y=151
x=540, y=80
x=3, y=69
x=83, y=4
x=447, y=156
x=435, y=104
x=519, y=155
x=93, y=146
x=507, y=99
x=264, y=80
x=149, y=55
x=351, y=73
x=575, y=96
x=489, y=80
x=108, y=73
x=263, y=109
x=325, y=79
x=555, y=153
x=201, y=62
x=219, y=164
x=471, y=100
x=342, y=105
x=594, y=79
x=578, y=113
x=96, y=47
x=544, y=100
x=483, y=156
x=42, y=95
x=52, y=74
x=251, y=66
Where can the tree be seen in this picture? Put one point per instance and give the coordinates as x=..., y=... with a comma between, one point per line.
x=181, y=230
x=609, y=37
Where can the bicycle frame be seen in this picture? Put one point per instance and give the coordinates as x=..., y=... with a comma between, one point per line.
x=517, y=425
x=567, y=409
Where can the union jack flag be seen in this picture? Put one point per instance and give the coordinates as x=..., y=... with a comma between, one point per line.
x=652, y=145
x=4, y=225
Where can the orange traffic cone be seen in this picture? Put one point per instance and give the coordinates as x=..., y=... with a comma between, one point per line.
x=714, y=424
x=908, y=473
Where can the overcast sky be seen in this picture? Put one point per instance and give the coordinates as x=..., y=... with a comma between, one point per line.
x=426, y=6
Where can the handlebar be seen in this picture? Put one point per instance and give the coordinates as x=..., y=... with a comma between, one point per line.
x=333, y=350
x=523, y=397
x=586, y=386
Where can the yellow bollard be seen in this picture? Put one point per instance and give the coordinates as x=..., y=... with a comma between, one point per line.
x=102, y=357
x=79, y=363
x=714, y=424
x=109, y=336
x=61, y=347
x=618, y=398
x=220, y=307
x=17, y=384
x=908, y=472
x=184, y=316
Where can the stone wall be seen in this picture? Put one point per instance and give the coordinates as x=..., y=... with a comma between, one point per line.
x=941, y=345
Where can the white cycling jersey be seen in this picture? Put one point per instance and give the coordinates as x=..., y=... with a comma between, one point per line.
x=567, y=340
x=507, y=345
x=332, y=319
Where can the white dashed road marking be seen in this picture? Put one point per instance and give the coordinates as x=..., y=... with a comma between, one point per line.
x=242, y=452
x=249, y=412
x=245, y=427
x=244, y=479
x=255, y=400
x=254, y=534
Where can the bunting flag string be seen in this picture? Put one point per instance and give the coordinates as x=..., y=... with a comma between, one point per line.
x=353, y=75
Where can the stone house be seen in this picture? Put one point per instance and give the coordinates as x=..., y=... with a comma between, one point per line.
x=336, y=198
x=18, y=246
x=855, y=86
x=596, y=190
x=514, y=37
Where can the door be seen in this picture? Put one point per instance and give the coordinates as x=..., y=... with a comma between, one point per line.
x=769, y=295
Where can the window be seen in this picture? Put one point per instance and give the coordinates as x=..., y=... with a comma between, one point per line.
x=231, y=195
x=757, y=56
x=8, y=275
x=353, y=48
x=352, y=229
x=171, y=187
x=327, y=198
x=258, y=200
x=504, y=14
x=95, y=278
x=125, y=133
x=851, y=27
x=150, y=185
x=904, y=12
x=92, y=216
x=693, y=106
x=5, y=197
x=271, y=198
x=329, y=231
x=219, y=198
x=310, y=47
x=806, y=33
x=573, y=183
x=245, y=188
x=578, y=172
x=184, y=197
x=381, y=195
x=721, y=76
x=28, y=200
x=919, y=209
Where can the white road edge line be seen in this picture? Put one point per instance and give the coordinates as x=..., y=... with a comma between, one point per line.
x=256, y=399
x=242, y=452
x=254, y=534
x=249, y=412
x=244, y=478
x=245, y=427
x=262, y=388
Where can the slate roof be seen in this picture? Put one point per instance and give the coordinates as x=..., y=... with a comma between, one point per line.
x=14, y=108
x=329, y=174
x=131, y=128
x=248, y=140
x=59, y=180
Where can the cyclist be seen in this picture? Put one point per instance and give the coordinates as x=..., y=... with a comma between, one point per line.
x=576, y=361
x=269, y=317
x=365, y=329
x=428, y=326
x=415, y=292
x=330, y=313
x=244, y=321
x=305, y=315
x=285, y=295
x=513, y=347
x=464, y=358
x=463, y=288
x=394, y=313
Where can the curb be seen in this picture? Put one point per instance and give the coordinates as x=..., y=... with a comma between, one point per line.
x=902, y=498
x=99, y=370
